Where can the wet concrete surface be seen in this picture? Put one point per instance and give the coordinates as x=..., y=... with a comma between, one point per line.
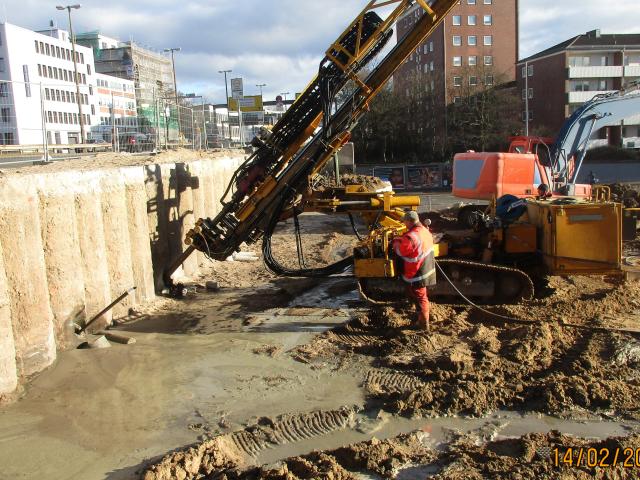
x=100, y=413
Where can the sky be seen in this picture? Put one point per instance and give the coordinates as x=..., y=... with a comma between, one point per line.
x=281, y=42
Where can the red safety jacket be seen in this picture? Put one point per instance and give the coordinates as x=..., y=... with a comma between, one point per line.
x=415, y=248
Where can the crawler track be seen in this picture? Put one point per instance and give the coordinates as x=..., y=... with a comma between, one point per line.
x=482, y=283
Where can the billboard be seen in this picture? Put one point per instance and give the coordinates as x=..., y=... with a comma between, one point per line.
x=247, y=104
x=424, y=176
x=237, y=90
x=395, y=175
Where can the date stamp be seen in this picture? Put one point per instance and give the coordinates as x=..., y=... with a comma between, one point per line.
x=596, y=457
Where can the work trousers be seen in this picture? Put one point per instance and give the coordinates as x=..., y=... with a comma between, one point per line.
x=418, y=295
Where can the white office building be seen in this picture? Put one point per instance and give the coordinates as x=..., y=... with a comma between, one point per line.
x=36, y=80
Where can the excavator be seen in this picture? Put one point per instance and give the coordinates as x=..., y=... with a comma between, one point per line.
x=495, y=265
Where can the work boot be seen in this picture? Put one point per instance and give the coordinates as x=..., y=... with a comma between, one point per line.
x=423, y=321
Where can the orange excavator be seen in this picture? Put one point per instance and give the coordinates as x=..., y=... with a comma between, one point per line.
x=535, y=161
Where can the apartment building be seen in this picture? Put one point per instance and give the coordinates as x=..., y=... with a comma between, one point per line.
x=37, y=87
x=556, y=81
x=477, y=44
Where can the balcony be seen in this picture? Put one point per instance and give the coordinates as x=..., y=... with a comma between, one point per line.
x=632, y=71
x=595, y=72
x=581, y=97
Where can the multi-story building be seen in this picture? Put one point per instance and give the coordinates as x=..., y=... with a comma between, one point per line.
x=556, y=81
x=477, y=44
x=116, y=106
x=150, y=71
x=37, y=88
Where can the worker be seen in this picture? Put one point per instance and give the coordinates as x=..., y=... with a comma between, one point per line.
x=415, y=249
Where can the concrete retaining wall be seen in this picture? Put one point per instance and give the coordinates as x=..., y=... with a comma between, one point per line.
x=72, y=240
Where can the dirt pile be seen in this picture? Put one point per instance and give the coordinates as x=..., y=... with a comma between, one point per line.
x=471, y=363
x=534, y=456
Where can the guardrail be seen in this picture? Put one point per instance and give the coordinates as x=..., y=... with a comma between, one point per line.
x=74, y=147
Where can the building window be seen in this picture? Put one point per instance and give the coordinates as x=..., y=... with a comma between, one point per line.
x=457, y=81
x=530, y=93
x=488, y=20
x=90, y=90
x=1, y=64
x=66, y=76
x=457, y=61
x=5, y=113
x=488, y=40
x=602, y=85
x=425, y=50
x=4, y=89
x=473, y=80
x=582, y=86
x=472, y=40
x=473, y=60
x=68, y=97
x=488, y=80
x=488, y=2
x=431, y=46
x=472, y=20
x=524, y=94
x=457, y=19
x=82, y=58
x=58, y=96
x=471, y=2
x=457, y=100
x=37, y=48
x=488, y=60
x=58, y=52
x=46, y=46
x=457, y=40
x=426, y=68
x=88, y=69
x=49, y=72
x=530, y=70
x=580, y=61
x=27, y=81
x=432, y=66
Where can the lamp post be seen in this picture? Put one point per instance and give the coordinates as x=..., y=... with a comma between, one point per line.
x=226, y=89
x=175, y=84
x=68, y=8
x=260, y=85
x=284, y=94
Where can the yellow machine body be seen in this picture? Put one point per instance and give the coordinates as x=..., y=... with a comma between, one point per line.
x=520, y=238
x=583, y=238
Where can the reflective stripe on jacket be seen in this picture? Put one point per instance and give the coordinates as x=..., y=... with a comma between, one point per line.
x=415, y=248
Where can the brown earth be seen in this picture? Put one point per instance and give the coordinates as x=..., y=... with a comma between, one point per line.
x=466, y=457
x=472, y=362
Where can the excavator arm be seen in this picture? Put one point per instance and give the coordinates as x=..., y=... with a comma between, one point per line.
x=571, y=145
x=276, y=176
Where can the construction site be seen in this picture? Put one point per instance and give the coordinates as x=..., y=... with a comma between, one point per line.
x=254, y=314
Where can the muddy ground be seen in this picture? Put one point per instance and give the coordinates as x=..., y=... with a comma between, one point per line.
x=290, y=378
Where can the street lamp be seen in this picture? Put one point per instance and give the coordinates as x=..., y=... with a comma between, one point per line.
x=68, y=8
x=226, y=89
x=260, y=85
x=175, y=84
x=284, y=94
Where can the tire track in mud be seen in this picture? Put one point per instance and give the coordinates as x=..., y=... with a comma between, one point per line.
x=239, y=449
x=290, y=429
x=377, y=380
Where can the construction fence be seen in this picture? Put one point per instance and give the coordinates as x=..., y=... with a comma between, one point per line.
x=56, y=118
